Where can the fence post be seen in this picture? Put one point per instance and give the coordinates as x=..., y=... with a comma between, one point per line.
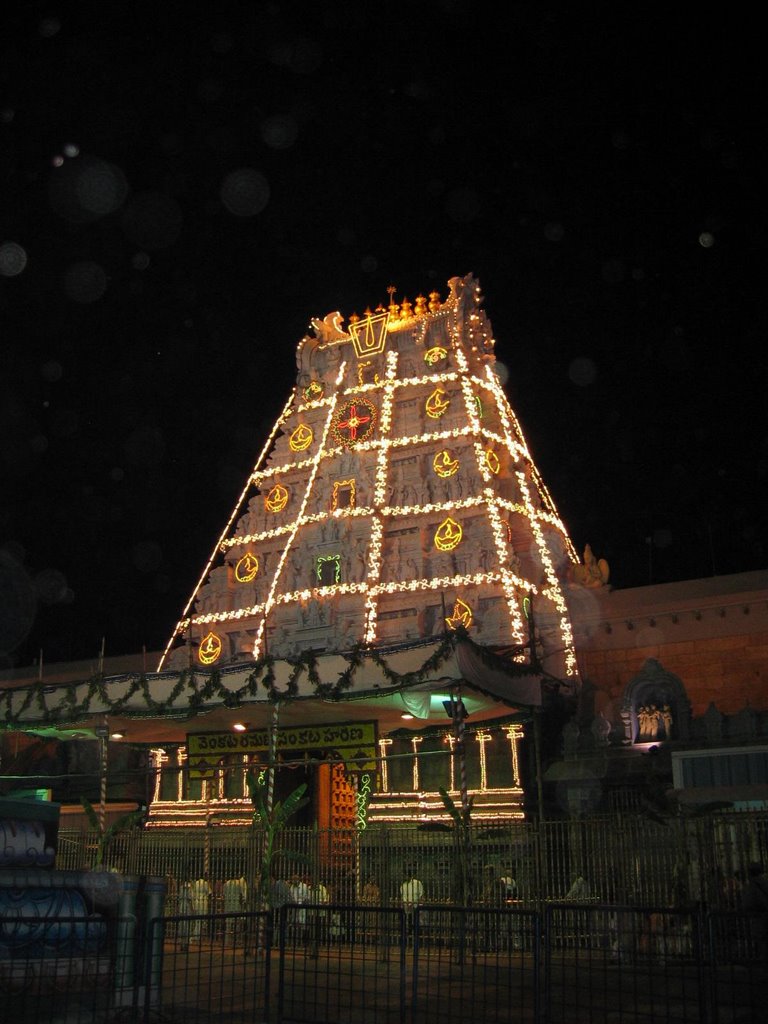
x=125, y=945
x=154, y=891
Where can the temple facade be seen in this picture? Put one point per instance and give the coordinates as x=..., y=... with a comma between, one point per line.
x=394, y=608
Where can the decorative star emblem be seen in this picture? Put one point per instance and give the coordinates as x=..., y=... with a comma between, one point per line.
x=354, y=422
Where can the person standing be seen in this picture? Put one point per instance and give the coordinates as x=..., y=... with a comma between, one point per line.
x=318, y=894
x=200, y=898
x=299, y=896
x=411, y=896
x=235, y=902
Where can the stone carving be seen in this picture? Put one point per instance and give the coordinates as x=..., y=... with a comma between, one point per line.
x=601, y=730
x=593, y=573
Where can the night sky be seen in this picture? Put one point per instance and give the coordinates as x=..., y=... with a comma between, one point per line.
x=182, y=192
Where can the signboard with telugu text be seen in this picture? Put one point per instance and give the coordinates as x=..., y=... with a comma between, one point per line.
x=355, y=743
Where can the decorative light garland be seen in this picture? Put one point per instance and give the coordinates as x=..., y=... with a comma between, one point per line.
x=247, y=568
x=301, y=438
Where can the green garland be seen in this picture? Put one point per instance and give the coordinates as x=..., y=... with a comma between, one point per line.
x=198, y=694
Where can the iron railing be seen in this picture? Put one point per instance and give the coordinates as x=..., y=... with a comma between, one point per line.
x=339, y=964
x=623, y=858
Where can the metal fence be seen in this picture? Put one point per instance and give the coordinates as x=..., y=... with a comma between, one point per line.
x=621, y=858
x=340, y=964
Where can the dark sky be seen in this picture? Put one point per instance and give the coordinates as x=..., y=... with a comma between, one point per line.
x=181, y=192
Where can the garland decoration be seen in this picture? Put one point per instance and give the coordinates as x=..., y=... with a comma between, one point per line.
x=194, y=691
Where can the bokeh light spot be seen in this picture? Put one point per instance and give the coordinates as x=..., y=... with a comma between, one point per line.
x=145, y=446
x=13, y=259
x=86, y=188
x=613, y=271
x=152, y=220
x=582, y=371
x=463, y=205
x=85, y=282
x=49, y=27
x=245, y=192
x=146, y=556
x=51, y=586
x=279, y=131
x=19, y=603
x=300, y=55
x=52, y=370
x=502, y=372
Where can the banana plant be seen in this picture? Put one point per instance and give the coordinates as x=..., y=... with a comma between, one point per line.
x=461, y=818
x=105, y=834
x=272, y=820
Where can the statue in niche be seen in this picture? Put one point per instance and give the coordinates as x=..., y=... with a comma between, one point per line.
x=654, y=723
x=311, y=613
x=361, y=559
x=409, y=496
x=296, y=567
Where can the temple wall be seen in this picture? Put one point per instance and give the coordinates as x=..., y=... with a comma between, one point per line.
x=712, y=634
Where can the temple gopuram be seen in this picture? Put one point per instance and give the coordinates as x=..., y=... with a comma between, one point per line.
x=394, y=608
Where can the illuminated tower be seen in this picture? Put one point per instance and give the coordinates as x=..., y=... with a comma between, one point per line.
x=395, y=498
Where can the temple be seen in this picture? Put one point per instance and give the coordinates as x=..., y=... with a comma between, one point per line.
x=394, y=612
x=386, y=601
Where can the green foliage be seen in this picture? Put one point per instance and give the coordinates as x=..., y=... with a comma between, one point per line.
x=105, y=835
x=461, y=818
x=272, y=820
